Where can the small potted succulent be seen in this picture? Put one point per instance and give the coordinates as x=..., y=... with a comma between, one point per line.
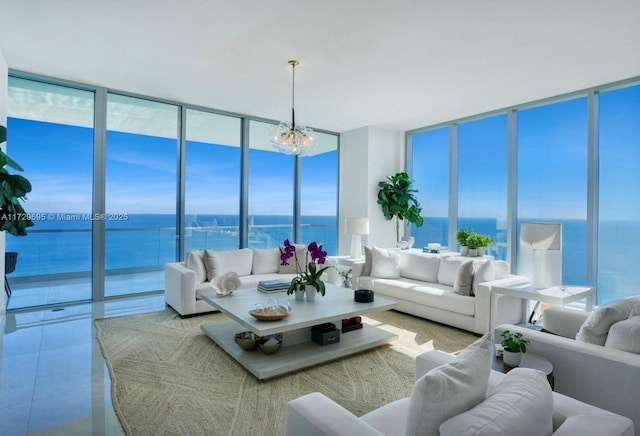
x=461, y=237
x=514, y=344
x=473, y=241
x=485, y=242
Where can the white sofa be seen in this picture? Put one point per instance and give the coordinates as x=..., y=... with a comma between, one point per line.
x=425, y=285
x=315, y=414
x=185, y=282
x=605, y=377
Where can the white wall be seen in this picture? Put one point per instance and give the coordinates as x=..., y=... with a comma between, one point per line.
x=367, y=156
x=4, y=79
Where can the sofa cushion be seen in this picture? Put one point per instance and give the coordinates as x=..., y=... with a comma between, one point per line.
x=483, y=272
x=502, y=269
x=450, y=389
x=419, y=266
x=521, y=404
x=300, y=254
x=368, y=259
x=426, y=294
x=385, y=263
x=595, y=328
x=625, y=335
x=464, y=278
x=220, y=262
x=194, y=260
x=449, y=268
x=265, y=261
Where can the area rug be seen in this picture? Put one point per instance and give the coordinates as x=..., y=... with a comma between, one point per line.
x=168, y=378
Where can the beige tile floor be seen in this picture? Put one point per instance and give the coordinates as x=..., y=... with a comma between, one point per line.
x=53, y=378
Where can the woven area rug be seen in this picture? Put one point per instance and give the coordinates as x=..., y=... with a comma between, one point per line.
x=168, y=378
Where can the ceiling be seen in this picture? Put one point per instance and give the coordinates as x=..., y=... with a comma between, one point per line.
x=399, y=65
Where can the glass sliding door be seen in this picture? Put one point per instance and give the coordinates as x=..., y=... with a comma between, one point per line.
x=619, y=215
x=552, y=177
x=319, y=194
x=140, y=193
x=50, y=134
x=482, y=180
x=271, y=190
x=431, y=179
x=212, y=181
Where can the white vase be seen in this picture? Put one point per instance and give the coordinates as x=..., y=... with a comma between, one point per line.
x=311, y=292
x=299, y=292
x=480, y=252
x=473, y=252
x=464, y=250
x=511, y=358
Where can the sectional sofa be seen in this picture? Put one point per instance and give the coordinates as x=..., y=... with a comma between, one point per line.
x=446, y=288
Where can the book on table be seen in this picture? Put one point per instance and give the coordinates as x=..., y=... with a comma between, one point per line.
x=275, y=285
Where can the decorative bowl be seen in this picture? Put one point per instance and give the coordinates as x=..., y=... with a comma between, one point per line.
x=269, y=345
x=246, y=340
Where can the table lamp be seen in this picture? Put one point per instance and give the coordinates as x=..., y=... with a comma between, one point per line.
x=541, y=238
x=357, y=227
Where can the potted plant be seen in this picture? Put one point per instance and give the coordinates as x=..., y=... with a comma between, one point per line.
x=514, y=344
x=485, y=241
x=461, y=237
x=309, y=277
x=13, y=189
x=473, y=242
x=397, y=200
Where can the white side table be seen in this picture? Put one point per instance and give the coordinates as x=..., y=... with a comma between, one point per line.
x=556, y=295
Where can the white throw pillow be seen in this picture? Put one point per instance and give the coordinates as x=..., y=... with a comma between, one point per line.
x=502, y=269
x=385, y=263
x=594, y=330
x=419, y=266
x=194, y=261
x=450, y=389
x=265, y=261
x=449, y=268
x=368, y=260
x=300, y=254
x=483, y=272
x=625, y=335
x=464, y=279
x=521, y=404
x=221, y=262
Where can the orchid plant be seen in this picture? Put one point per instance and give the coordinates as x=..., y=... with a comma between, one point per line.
x=311, y=273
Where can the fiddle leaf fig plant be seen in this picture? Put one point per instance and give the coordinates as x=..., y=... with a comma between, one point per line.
x=397, y=200
x=13, y=189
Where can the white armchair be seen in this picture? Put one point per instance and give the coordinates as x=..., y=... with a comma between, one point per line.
x=315, y=414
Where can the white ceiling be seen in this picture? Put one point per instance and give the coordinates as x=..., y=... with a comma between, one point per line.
x=398, y=64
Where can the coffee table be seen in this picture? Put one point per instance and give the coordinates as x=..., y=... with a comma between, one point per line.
x=298, y=351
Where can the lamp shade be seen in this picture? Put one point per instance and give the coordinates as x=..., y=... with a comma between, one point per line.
x=541, y=236
x=358, y=226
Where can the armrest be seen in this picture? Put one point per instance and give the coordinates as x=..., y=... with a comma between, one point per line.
x=564, y=321
x=315, y=414
x=357, y=268
x=180, y=288
x=597, y=424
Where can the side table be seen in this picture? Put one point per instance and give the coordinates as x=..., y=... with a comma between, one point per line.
x=529, y=360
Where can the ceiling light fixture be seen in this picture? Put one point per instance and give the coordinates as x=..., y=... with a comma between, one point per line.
x=292, y=138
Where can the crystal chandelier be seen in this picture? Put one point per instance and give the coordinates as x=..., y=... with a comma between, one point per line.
x=292, y=138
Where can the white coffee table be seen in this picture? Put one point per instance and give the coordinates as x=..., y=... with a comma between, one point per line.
x=298, y=351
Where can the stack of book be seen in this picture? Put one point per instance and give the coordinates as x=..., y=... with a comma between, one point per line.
x=275, y=285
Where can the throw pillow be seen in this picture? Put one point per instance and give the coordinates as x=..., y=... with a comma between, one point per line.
x=265, y=261
x=521, y=404
x=594, y=330
x=502, y=269
x=625, y=335
x=484, y=272
x=419, y=266
x=464, y=279
x=221, y=262
x=450, y=389
x=449, y=268
x=385, y=263
x=194, y=261
x=301, y=255
x=368, y=260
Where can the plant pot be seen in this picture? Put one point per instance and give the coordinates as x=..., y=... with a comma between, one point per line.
x=511, y=358
x=473, y=252
x=480, y=252
x=311, y=292
x=299, y=292
x=464, y=250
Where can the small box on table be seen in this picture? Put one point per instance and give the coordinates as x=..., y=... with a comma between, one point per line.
x=325, y=334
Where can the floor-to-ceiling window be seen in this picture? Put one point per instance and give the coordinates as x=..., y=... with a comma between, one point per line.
x=50, y=134
x=140, y=193
x=619, y=211
x=431, y=180
x=212, y=181
x=552, y=176
x=482, y=180
x=319, y=194
x=271, y=189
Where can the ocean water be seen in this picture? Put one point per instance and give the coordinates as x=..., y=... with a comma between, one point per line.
x=62, y=246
